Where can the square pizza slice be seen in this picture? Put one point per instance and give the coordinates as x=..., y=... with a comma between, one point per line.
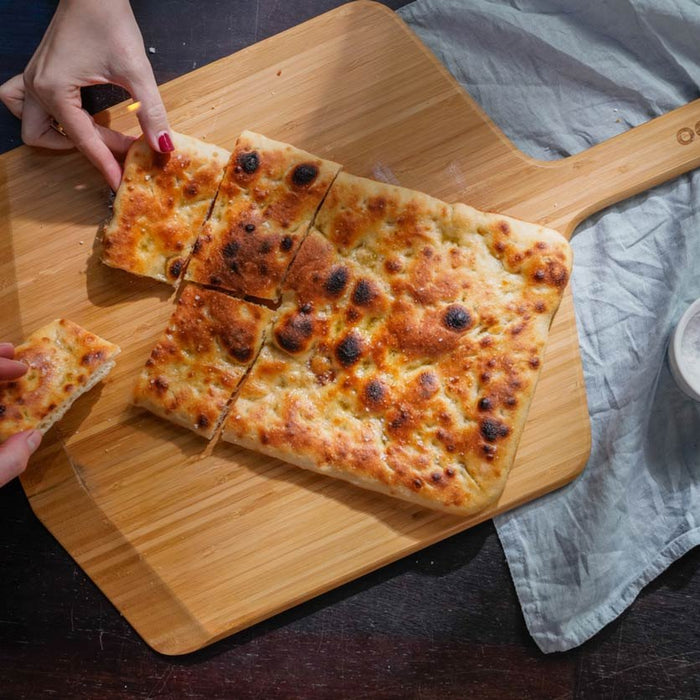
x=267, y=200
x=200, y=359
x=408, y=346
x=160, y=206
x=64, y=361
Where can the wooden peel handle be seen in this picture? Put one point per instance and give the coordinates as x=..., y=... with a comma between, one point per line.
x=647, y=155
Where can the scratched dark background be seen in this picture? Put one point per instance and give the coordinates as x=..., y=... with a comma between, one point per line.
x=441, y=624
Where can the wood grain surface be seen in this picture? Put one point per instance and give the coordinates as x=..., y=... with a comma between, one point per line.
x=185, y=539
x=443, y=623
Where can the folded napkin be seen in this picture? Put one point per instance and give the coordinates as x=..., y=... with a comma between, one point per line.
x=557, y=77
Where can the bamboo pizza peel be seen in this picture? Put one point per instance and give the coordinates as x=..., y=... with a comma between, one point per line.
x=192, y=543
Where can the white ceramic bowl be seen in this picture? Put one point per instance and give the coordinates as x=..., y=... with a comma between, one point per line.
x=680, y=368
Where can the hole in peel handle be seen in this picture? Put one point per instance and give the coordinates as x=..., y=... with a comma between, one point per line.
x=643, y=157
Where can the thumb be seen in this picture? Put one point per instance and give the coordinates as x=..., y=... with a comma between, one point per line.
x=15, y=453
x=12, y=95
x=151, y=113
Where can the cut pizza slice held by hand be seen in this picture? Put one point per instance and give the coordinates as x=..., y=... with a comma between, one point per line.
x=64, y=361
x=160, y=206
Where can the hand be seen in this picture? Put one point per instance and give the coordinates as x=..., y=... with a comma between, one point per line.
x=16, y=450
x=88, y=42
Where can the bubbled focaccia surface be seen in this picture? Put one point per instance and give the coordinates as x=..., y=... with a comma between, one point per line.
x=62, y=360
x=160, y=206
x=265, y=205
x=200, y=358
x=407, y=348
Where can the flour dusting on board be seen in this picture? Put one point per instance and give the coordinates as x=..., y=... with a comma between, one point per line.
x=384, y=173
x=457, y=175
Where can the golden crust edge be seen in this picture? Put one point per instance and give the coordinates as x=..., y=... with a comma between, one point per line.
x=375, y=486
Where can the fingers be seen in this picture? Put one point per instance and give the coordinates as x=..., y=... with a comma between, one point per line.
x=117, y=142
x=84, y=133
x=7, y=350
x=11, y=369
x=96, y=142
x=36, y=127
x=82, y=130
x=15, y=453
x=151, y=114
x=12, y=95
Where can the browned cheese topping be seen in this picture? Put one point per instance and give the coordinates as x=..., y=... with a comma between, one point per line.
x=200, y=358
x=407, y=347
x=266, y=203
x=161, y=205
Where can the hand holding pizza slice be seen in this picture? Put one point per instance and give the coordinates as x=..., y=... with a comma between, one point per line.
x=16, y=450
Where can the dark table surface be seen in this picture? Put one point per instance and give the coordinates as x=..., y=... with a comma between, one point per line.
x=443, y=623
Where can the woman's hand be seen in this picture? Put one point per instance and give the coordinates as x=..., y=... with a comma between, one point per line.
x=15, y=451
x=88, y=42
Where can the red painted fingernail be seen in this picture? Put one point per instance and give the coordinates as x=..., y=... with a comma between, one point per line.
x=166, y=145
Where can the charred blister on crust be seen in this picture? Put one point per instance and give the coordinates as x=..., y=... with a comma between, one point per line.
x=400, y=419
x=485, y=404
x=349, y=350
x=457, y=318
x=92, y=358
x=160, y=385
x=336, y=281
x=286, y=243
x=304, y=174
x=230, y=250
x=247, y=162
x=239, y=346
x=492, y=429
x=190, y=190
x=293, y=333
x=365, y=292
x=393, y=265
x=175, y=268
x=375, y=394
x=428, y=384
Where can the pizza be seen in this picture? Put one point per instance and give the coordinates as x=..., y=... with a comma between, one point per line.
x=160, y=206
x=404, y=335
x=407, y=347
x=201, y=357
x=266, y=202
x=64, y=361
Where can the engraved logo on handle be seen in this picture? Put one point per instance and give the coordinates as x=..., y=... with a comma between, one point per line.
x=686, y=135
